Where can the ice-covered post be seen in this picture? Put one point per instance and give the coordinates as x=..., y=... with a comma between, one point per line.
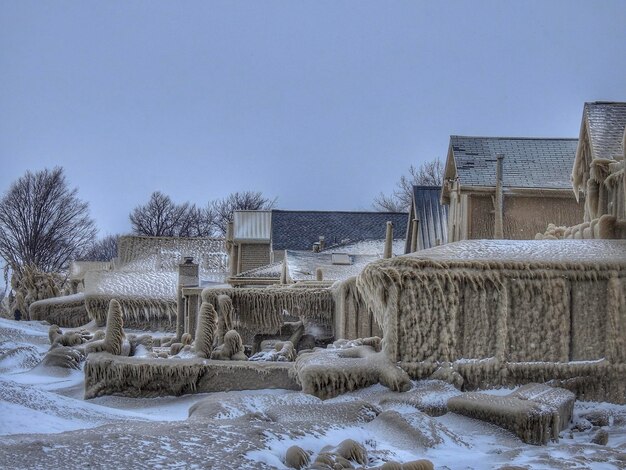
x=624, y=175
x=283, y=271
x=498, y=232
x=388, y=240
x=319, y=274
x=188, y=276
x=414, y=230
x=231, y=249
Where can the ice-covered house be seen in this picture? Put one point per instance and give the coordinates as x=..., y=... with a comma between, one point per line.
x=143, y=279
x=427, y=225
x=598, y=171
x=533, y=191
x=259, y=238
x=336, y=263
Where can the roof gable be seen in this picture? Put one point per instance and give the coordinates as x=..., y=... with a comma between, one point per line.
x=432, y=216
x=605, y=123
x=528, y=162
x=298, y=230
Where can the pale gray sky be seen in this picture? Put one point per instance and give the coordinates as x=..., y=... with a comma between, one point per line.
x=322, y=104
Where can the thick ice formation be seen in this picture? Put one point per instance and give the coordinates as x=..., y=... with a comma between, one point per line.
x=262, y=311
x=66, y=311
x=207, y=326
x=331, y=372
x=515, y=301
x=535, y=413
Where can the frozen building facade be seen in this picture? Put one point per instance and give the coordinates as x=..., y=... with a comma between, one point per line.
x=258, y=238
x=598, y=171
x=534, y=189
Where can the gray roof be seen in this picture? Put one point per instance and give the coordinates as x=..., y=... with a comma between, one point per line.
x=605, y=124
x=528, y=162
x=298, y=230
x=432, y=216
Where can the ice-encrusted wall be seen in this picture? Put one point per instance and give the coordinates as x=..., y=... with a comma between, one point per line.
x=552, y=301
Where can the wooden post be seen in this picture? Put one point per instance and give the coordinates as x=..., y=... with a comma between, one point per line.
x=498, y=231
x=414, y=233
x=388, y=241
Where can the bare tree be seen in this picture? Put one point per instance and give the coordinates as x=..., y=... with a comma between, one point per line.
x=161, y=217
x=43, y=224
x=427, y=174
x=245, y=200
x=104, y=249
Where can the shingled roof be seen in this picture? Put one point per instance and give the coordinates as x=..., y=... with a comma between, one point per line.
x=432, y=216
x=605, y=124
x=528, y=162
x=298, y=230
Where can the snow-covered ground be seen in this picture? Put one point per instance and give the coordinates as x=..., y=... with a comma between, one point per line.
x=45, y=423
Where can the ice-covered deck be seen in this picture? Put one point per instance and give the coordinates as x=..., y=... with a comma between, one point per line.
x=539, y=253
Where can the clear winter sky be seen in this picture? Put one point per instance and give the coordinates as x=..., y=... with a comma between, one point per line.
x=322, y=104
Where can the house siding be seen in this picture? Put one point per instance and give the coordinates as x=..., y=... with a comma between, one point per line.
x=253, y=255
x=524, y=216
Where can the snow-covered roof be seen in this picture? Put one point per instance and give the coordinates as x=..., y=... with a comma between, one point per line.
x=565, y=252
x=79, y=268
x=302, y=265
x=367, y=247
x=148, y=266
x=544, y=163
x=165, y=253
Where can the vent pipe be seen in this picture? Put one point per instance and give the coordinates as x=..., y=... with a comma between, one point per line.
x=498, y=232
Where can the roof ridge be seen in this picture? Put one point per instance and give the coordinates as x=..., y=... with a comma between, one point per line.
x=512, y=138
x=336, y=212
x=619, y=103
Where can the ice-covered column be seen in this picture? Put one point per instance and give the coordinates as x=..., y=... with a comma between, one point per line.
x=414, y=231
x=231, y=249
x=319, y=274
x=624, y=175
x=188, y=276
x=498, y=232
x=388, y=241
